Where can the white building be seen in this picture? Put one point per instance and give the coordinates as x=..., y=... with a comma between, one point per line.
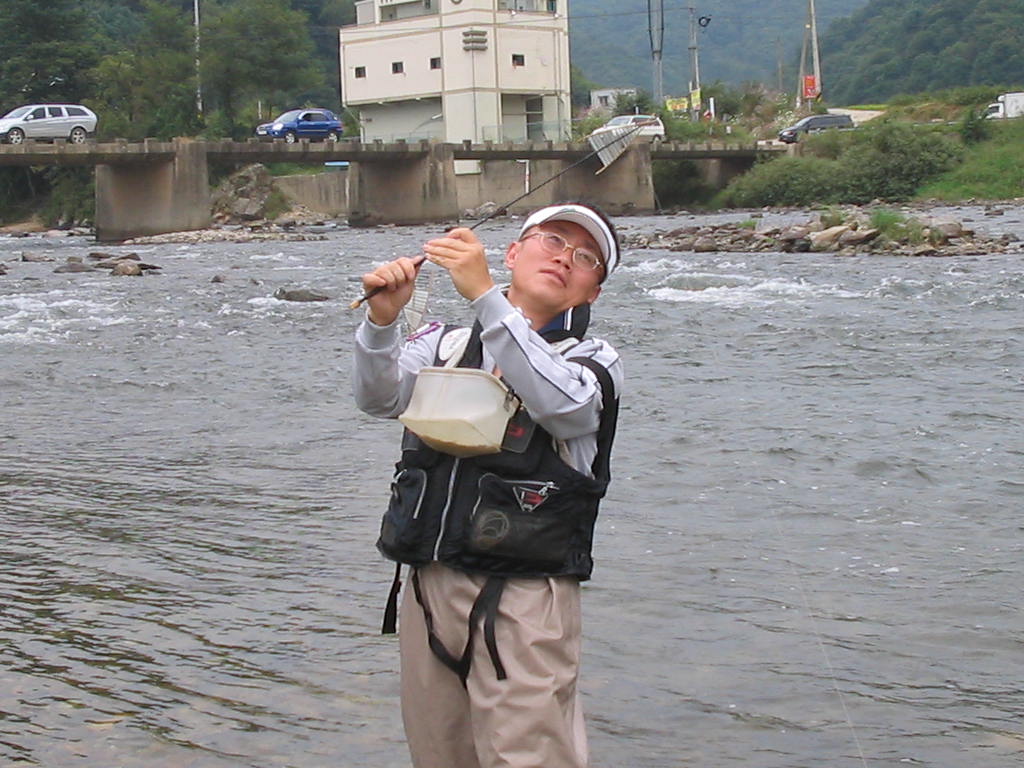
x=453, y=70
x=603, y=99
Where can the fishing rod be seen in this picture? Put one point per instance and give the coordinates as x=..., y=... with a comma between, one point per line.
x=617, y=143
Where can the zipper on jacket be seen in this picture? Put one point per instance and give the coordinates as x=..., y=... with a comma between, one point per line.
x=447, y=506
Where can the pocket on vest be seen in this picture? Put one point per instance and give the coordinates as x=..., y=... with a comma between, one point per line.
x=522, y=519
x=401, y=530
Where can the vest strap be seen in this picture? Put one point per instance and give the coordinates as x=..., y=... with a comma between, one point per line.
x=391, y=609
x=609, y=418
x=485, y=606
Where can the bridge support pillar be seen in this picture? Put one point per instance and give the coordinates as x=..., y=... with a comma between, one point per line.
x=415, y=190
x=136, y=199
x=624, y=187
x=718, y=172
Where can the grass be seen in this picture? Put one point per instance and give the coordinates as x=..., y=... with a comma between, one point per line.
x=991, y=170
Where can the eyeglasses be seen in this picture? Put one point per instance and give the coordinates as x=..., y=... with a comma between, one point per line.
x=555, y=244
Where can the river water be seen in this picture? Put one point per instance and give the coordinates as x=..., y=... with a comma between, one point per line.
x=811, y=553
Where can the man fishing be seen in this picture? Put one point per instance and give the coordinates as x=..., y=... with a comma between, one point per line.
x=498, y=542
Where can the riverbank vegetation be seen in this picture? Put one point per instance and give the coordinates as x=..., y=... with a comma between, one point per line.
x=893, y=161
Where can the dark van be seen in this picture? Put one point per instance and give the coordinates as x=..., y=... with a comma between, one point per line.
x=815, y=124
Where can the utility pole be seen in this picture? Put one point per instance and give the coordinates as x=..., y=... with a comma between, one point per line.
x=778, y=64
x=199, y=82
x=815, y=54
x=656, y=28
x=694, y=65
x=802, y=77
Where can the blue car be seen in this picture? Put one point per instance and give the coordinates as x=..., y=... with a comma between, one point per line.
x=312, y=123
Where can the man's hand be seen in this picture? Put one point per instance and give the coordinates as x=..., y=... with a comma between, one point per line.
x=462, y=254
x=396, y=279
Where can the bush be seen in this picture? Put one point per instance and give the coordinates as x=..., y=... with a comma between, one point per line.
x=889, y=161
x=973, y=127
x=785, y=181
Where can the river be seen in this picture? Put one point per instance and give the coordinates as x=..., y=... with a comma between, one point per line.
x=811, y=553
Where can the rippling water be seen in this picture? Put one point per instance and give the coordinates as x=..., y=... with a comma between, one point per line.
x=810, y=556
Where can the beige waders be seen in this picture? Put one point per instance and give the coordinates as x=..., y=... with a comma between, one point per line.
x=530, y=719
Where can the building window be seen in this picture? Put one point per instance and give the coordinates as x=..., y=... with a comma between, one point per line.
x=552, y=6
x=435, y=62
x=518, y=60
x=397, y=67
x=360, y=71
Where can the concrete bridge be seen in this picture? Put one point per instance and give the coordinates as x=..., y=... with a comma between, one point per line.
x=153, y=187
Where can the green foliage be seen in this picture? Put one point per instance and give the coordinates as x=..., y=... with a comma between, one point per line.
x=888, y=161
x=72, y=196
x=586, y=125
x=831, y=217
x=896, y=227
x=17, y=193
x=785, y=181
x=580, y=87
x=277, y=204
x=46, y=52
x=973, y=127
x=636, y=103
x=992, y=170
x=148, y=88
x=827, y=144
x=678, y=182
x=889, y=47
x=253, y=49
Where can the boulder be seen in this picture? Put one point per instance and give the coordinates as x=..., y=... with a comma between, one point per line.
x=826, y=239
x=705, y=244
x=243, y=195
x=74, y=264
x=856, y=237
x=104, y=256
x=299, y=294
x=126, y=268
x=794, y=233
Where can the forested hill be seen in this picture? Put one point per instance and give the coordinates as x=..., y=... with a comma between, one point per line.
x=889, y=47
x=744, y=40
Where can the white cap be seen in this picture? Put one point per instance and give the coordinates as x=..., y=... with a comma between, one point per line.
x=588, y=219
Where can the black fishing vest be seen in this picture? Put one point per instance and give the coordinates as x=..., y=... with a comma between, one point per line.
x=520, y=512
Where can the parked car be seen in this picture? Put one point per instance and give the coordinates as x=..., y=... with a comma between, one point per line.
x=650, y=125
x=48, y=121
x=312, y=123
x=815, y=124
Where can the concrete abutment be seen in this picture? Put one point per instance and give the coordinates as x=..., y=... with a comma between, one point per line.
x=151, y=198
x=418, y=189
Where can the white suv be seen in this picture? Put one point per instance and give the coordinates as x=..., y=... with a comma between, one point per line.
x=48, y=121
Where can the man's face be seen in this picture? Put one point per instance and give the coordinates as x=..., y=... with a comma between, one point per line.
x=553, y=282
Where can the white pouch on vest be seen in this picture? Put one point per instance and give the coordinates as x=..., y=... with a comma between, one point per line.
x=459, y=411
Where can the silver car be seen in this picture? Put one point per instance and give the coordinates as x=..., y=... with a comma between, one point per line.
x=48, y=121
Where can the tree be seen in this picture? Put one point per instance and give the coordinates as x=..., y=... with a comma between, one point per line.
x=47, y=51
x=256, y=49
x=148, y=88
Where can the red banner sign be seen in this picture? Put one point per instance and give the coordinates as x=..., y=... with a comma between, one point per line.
x=811, y=87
